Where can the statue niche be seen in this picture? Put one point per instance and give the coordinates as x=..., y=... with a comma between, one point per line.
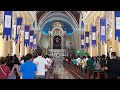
x=57, y=42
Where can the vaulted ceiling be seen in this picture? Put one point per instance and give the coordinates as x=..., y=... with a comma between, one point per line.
x=70, y=19
x=76, y=14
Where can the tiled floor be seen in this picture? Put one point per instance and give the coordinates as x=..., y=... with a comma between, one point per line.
x=59, y=72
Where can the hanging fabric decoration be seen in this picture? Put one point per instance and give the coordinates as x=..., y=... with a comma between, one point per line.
x=82, y=43
x=117, y=25
x=34, y=41
x=26, y=36
x=87, y=38
x=103, y=30
x=18, y=27
x=31, y=38
x=93, y=35
x=7, y=30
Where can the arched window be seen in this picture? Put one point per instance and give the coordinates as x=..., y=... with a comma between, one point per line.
x=82, y=26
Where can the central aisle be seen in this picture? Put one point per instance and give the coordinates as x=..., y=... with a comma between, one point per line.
x=59, y=72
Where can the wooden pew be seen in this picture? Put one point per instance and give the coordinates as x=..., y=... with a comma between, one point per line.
x=101, y=75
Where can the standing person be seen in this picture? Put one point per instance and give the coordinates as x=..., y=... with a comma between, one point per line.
x=113, y=67
x=16, y=61
x=49, y=61
x=41, y=65
x=78, y=60
x=90, y=65
x=74, y=61
x=23, y=60
x=103, y=63
x=5, y=71
x=83, y=64
x=28, y=69
x=10, y=64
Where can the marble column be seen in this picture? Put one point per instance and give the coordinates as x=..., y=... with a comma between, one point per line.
x=14, y=47
x=26, y=50
x=8, y=47
x=114, y=42
x=22, y=47
x=3, y=46
x=91, y=47
x=51, y=41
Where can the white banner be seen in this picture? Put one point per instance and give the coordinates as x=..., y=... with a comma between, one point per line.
x=26, y=35
x=34, y=42
x=7, y=21
x=102, y=30
x=31, y=38
x=82, y=42
x=117, y=22
x=93, y=36
x=87, y=39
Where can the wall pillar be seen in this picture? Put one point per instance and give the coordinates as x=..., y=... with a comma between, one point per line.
x=22, y=47
x=114, y=42
x=3, y=46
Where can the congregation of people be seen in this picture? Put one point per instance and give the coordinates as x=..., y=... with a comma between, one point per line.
x=28, y=67
x=105, y=64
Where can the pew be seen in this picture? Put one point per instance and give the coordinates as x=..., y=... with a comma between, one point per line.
x=77, y=70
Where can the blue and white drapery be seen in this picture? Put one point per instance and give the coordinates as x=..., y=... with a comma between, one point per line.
x=18, y=27
x=7, y=30
x=93, y=35
x=34, y=41
x=26, y=35
x=31, y=38
x=87, y=38
x=103, y=30
x=117, y=25
x=82, y=41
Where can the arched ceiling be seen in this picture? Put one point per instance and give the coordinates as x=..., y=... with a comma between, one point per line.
x=76, y=14
x=70, y=19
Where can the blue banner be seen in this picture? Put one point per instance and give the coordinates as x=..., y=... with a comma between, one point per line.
x=18, y=27
x=87, y=38
x=7, y=30
x=34, y=41
x=82, y=39
x=103, y=30
x=31, y=38
x=117, y=25
x=26, y=35
x=93, y=35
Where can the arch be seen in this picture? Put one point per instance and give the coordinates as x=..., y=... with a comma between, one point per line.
x=62, y=13
x=58, y=15
x=57, y=18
